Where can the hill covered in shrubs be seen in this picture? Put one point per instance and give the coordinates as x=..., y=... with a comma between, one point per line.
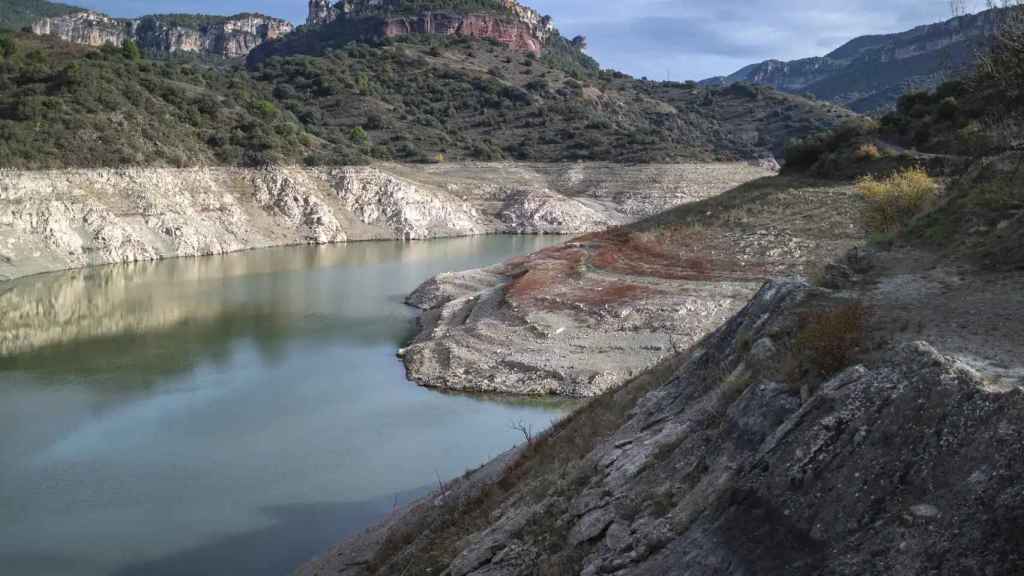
x=18, y=14
x=410, y=99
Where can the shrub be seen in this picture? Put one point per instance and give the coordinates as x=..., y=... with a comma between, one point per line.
x=948, y=108
x=914, y=104
x=130, y=50
x=866, y=152
x=803, y=153
x=265, y=108
x=359, y=136
x=829, y=340
x=894, y=201
x=7, y=47
x=852, y=129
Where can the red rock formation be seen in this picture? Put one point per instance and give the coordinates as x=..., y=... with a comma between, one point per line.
x=515, y=34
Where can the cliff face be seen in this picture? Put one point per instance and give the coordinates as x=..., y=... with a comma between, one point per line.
x=230, y=37
x=515, y=34
x=321, y=12
x=869, y=73
x=90, y=28
x=514, y=25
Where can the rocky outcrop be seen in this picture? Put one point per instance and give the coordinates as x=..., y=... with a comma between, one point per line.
x=52, y=220
x=908, y=465
x=228, y=37
x=511, y=32
x=869, y=73
x=582, y=319
x=89, y=28
x=321, y=12
x=515, y=25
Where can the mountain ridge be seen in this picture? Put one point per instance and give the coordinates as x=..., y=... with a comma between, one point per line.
x=868, y=74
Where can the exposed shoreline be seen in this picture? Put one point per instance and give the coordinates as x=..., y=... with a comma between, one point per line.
x=68, y=219
x=581, y=319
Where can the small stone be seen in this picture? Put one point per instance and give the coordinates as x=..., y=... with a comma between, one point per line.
x=925, y=511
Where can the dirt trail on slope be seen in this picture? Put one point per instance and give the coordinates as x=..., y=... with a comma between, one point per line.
x=972, y=314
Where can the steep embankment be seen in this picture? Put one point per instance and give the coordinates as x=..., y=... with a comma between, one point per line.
x=51, y=220
x=717, y=463
x=581, y=319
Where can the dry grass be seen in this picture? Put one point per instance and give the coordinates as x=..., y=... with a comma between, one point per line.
x=894, y=201
x=829, y=340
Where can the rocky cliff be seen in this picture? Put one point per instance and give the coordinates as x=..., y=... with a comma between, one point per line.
x=869, y=73
x=51, y=220
x=228, y=37
x=507, y=21
x=89, y=28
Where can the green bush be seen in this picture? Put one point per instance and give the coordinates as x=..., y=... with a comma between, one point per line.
x=8, y=48
x=359, y=137
x=130, y=50
x=949, y=108
x=803, y=153
x=266, y=109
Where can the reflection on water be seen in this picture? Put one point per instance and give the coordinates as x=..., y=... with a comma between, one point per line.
x=162, y=418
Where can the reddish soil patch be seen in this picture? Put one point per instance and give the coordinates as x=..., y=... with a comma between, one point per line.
x=609, y=294
x=674, y=254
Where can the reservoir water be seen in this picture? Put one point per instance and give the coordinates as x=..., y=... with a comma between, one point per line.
x=227, y=415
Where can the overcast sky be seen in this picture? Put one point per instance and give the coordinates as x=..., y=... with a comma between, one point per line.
x=681, y=39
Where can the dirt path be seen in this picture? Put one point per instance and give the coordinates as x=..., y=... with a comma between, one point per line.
x=962, y=311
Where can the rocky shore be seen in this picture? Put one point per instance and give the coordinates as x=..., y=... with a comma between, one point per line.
x=55, y=220
x=581, y=319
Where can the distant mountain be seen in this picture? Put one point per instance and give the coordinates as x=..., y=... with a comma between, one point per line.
x=869, y=73
x=18, y=14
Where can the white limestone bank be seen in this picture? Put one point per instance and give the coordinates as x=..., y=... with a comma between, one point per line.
x=54, y=220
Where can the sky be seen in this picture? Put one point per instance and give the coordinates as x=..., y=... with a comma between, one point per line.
x=661, y=39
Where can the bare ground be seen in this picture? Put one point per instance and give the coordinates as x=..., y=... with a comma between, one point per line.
x=963, y=311
x=580, y=319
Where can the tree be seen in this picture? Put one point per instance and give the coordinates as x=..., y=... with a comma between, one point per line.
x=130, y=50
x=1003, y=64
x=7, y=47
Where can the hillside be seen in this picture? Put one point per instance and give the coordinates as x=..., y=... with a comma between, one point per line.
x=18, y=14
x=869, y=73
x=411, y=99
